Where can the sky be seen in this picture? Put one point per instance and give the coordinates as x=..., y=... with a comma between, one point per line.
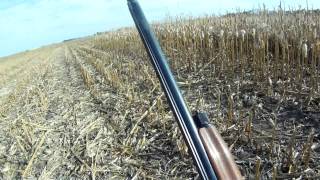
x=28, y=24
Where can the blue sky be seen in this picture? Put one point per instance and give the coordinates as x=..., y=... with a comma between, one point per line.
x=28, y=24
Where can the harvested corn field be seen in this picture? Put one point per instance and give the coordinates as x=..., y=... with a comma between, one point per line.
x=93, y=108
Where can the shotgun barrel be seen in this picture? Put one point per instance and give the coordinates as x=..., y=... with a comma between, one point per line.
x=192, y=134
x=175, y=100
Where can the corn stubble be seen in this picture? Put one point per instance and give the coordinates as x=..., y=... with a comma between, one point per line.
x=257, y=76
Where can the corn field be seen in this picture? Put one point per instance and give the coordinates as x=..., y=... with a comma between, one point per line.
x=92, y=108
x=260, y=69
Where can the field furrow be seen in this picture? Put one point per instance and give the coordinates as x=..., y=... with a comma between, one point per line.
x=93, y=108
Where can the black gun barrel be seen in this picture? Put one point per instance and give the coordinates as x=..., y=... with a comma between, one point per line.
x=174, y=97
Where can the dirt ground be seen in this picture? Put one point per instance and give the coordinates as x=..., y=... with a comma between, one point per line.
x=61, y=119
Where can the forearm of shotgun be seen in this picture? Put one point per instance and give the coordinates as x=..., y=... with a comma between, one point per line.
x=219, y=154
x=217, y=150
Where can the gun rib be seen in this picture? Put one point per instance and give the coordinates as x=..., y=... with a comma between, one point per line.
x=178, y=106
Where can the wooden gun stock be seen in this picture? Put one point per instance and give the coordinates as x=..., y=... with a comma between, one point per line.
x=219, y=154
x=217, y=150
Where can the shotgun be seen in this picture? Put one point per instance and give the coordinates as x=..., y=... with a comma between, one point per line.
x=209, y=151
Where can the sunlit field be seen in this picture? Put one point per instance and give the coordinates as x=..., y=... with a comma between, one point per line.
x=93, y=108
